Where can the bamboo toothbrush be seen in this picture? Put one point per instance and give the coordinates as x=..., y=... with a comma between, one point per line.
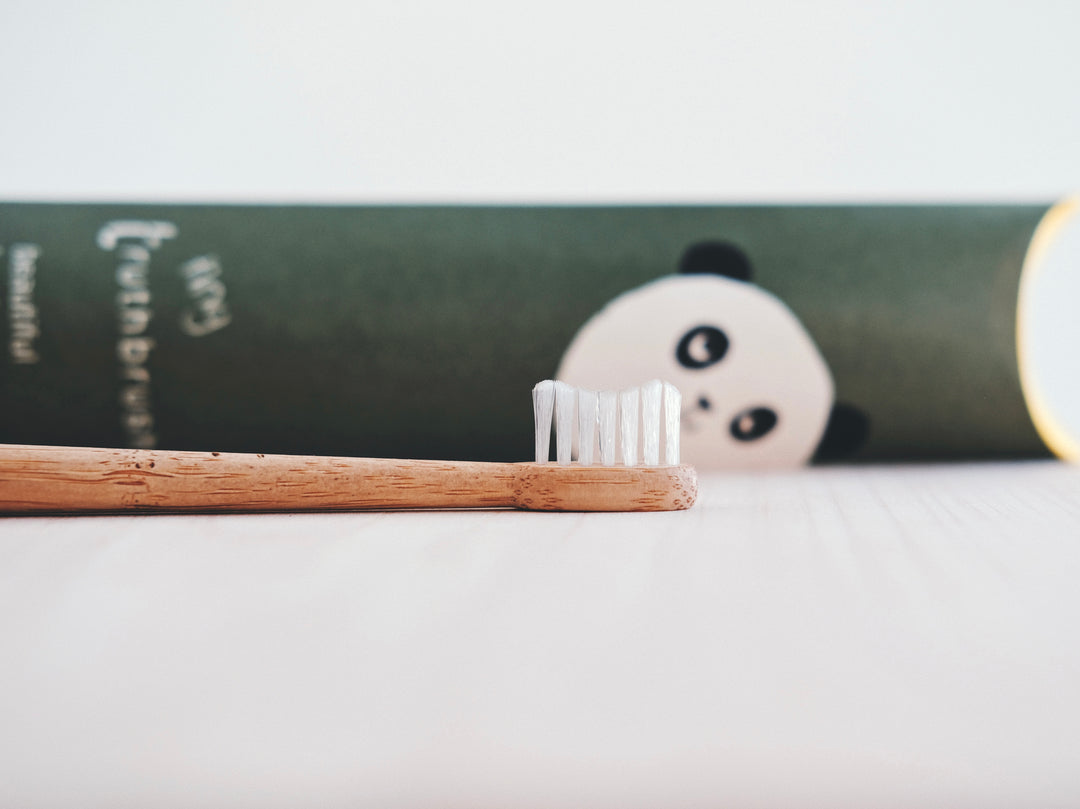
x=82, y=480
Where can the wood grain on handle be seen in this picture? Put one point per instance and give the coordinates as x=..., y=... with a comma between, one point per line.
x=77, y=479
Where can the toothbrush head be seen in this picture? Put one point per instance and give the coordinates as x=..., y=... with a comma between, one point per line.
x=639, y=426
x=614, y=451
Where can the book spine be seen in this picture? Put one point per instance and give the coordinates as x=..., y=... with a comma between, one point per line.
x=418, y=331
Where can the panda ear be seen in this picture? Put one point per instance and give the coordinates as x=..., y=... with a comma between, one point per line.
x=716, y=258
x=845, y=434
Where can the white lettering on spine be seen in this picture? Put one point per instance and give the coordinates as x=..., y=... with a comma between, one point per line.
x=209, y=311
x=152, y=234
x=133, y=241
x=22, y=311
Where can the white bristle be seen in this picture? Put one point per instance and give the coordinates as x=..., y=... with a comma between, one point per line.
x=672, y=415
x=651, y=397
x=543, y=404
x=609, y=400
x=628, y=425
x=587, y=413
x=620, y=422
x=565, y=411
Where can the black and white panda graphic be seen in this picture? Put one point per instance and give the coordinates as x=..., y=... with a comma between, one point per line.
x=757, y=392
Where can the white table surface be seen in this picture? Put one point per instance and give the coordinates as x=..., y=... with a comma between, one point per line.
x=882, y=636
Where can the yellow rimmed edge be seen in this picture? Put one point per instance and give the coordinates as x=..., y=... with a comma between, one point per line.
x=1058, y=437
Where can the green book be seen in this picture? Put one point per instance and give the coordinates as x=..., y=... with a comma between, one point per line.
x=794, y=333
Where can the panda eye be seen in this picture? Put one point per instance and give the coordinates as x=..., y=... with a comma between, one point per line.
x=753, y=423
x=701, y=347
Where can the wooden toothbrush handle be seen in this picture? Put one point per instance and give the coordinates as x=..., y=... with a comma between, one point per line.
x=78, y=479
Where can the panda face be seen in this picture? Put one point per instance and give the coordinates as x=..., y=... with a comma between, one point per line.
x=756, y=391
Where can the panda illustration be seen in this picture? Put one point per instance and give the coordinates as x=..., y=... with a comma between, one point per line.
x=757, y=392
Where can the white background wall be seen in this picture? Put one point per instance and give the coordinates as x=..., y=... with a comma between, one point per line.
x=485, y=100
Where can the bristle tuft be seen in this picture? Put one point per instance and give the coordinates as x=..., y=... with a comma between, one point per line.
x=628, y=425
x=651, y=397
x=587, y=416
x=672, y=418
x=609, y=402
x=543, y=405
x=565, y=412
